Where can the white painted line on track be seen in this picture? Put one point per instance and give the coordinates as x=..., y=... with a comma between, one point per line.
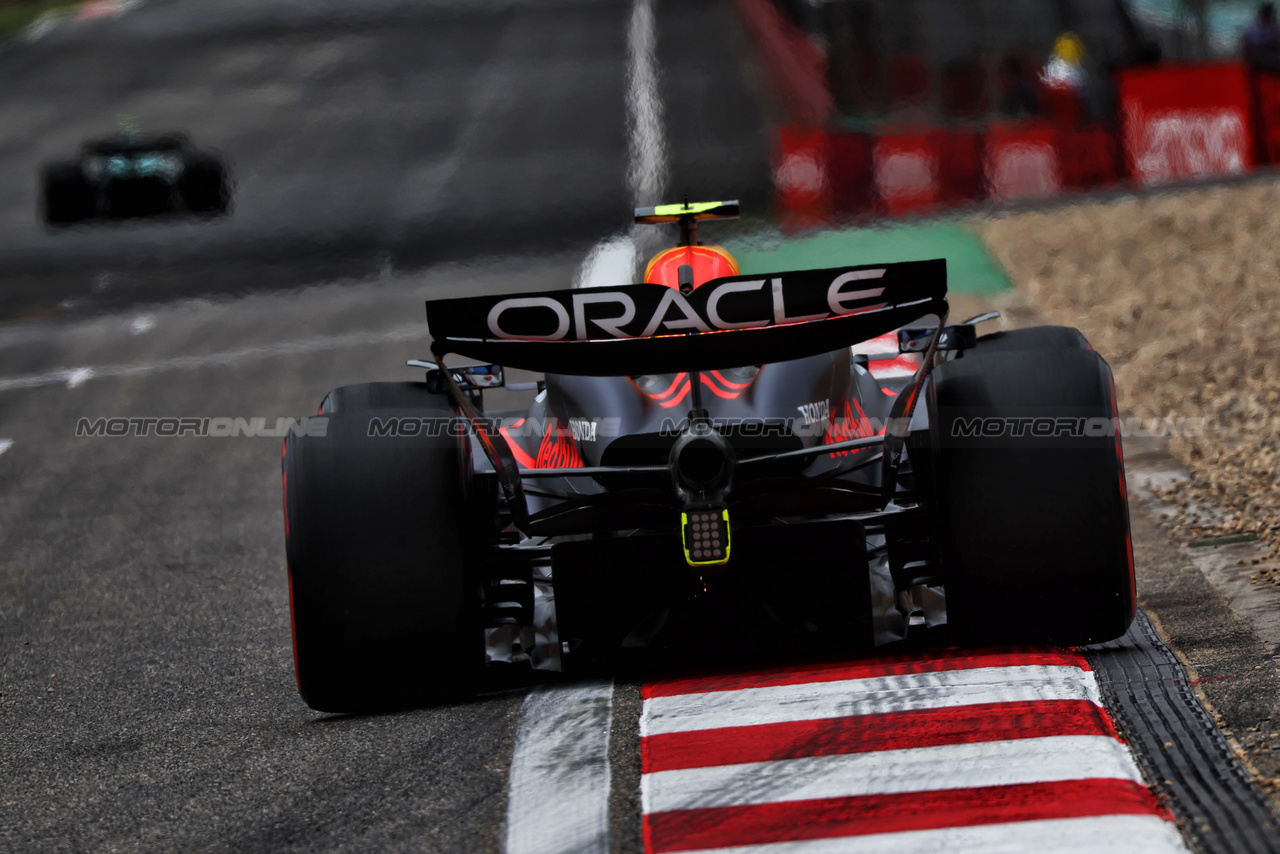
x=647, y=172
x=610, y=263
x=5, y=444
x=1108, y=834
x=918, y=769
x=73, y=377
x=877, y=695
x=79, y=376
x=558, y=789
x=614, y=260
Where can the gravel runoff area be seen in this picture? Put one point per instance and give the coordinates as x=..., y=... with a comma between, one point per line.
x=1180, y=292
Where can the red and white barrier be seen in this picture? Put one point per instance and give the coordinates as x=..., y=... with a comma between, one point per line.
x=1177, y=122
x=1022, y=162
x=1184, y=122
x=907, y=173
x=922, y=170
x=850, y=172
x=1089, y=157
x=801, y=182
x=1266, y=91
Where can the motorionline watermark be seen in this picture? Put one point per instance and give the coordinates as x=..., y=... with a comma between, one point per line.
x=1077, y=427
x=584, y=429
x=598, y=429
x=214, y=426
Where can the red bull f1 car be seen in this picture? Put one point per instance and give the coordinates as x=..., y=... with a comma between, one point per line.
x=704, y=442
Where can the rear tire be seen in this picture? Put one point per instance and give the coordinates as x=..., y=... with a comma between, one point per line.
x=1033, y=338
x=1034, y=532
x=384, y=614
x=66, y=195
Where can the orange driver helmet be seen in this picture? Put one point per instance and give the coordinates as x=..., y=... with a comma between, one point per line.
x=708, y=262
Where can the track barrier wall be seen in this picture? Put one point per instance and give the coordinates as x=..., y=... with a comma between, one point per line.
x=1176, y=122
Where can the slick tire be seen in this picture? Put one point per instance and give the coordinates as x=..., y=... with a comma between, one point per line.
x=384, y=613
x=1032, y=338
x=66, y=196
x=205, y=187
x=1033, y=530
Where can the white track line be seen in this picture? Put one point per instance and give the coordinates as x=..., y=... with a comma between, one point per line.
x=558, y=789
x=614, y=260
x=5, y=444
x=610, y=263
x=1110, y=834
x=920, y=769
x=646, y=175
x=73, y=377
x=871, y=696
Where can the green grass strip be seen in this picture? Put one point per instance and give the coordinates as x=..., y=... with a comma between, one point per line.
x=969, y=268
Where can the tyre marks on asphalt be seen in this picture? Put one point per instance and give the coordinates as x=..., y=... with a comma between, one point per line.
x=958, y=751
x=558, y=789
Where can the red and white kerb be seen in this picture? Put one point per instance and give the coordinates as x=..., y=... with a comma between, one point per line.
x=1006, y=750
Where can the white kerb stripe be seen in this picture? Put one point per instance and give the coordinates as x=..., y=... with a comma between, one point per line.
x=886, y=772
x=876, y=695
x=1109, y=834
x=558, y=787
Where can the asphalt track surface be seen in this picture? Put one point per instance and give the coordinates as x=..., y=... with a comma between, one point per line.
x=388, y=134
x=383, y=155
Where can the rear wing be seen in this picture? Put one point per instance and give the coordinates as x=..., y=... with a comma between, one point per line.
x=651, y=329
x=724, y=323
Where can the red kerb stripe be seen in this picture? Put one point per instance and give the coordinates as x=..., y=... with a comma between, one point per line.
x=723, y=827
x=889, y=666
x=867, y=733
